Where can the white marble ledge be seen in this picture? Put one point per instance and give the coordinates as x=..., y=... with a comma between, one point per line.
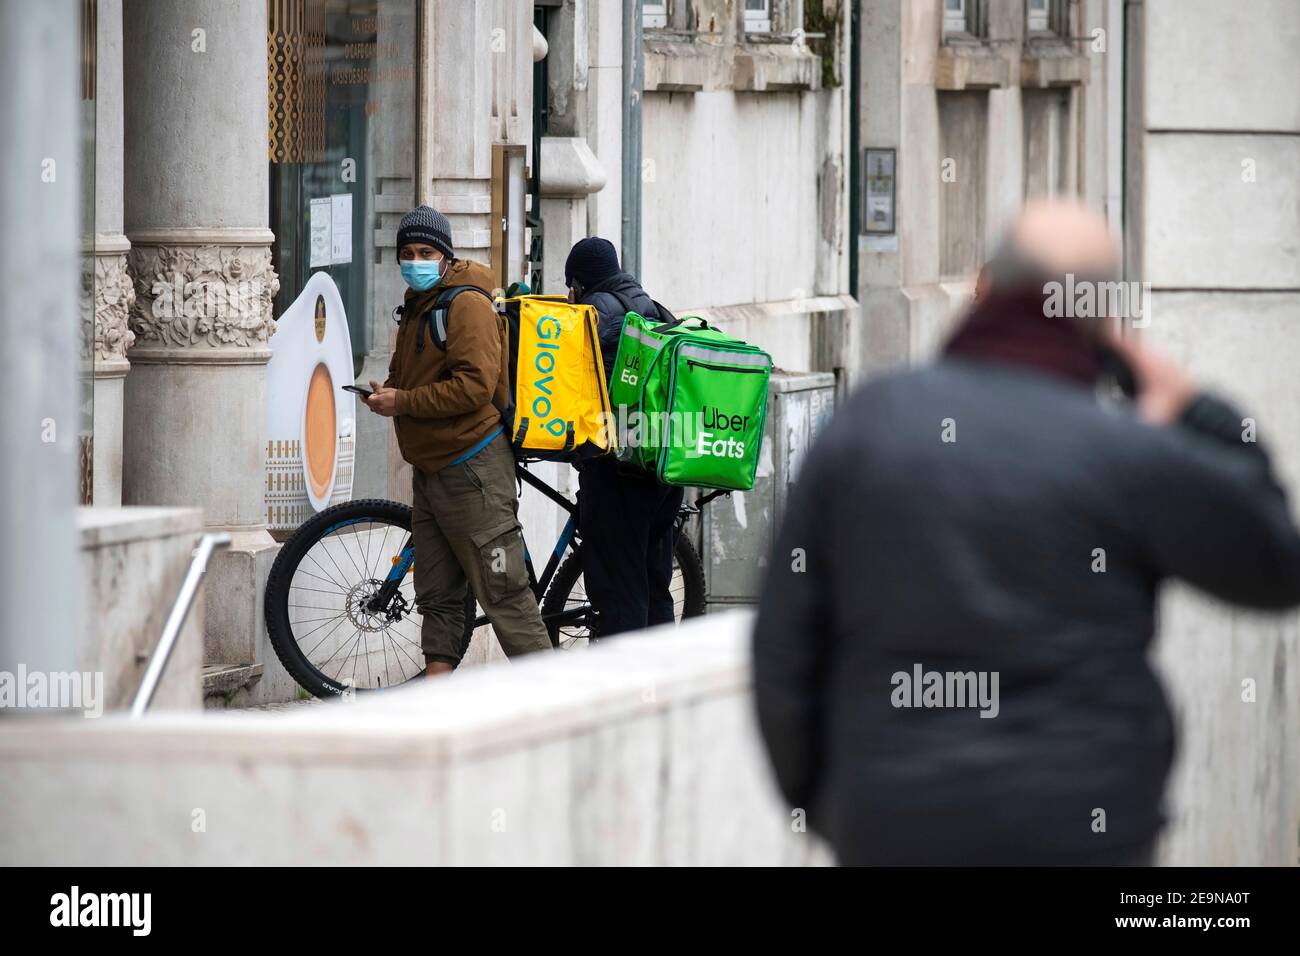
x=476, y=713
x=100, y=527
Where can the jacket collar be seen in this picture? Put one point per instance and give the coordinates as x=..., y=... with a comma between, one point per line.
x=1017, y=329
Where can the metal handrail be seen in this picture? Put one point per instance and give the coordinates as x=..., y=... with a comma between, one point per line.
x=176, y=620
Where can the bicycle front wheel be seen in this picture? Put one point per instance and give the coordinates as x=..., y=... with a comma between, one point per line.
x=333, y=622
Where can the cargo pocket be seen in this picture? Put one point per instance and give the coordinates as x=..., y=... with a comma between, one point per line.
x=500, y=551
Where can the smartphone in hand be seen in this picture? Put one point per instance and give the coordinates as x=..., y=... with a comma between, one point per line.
x=358, y=390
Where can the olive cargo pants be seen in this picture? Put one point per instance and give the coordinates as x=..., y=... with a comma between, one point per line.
x=465, y=526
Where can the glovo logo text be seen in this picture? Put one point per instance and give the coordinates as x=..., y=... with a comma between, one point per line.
x=542, y=374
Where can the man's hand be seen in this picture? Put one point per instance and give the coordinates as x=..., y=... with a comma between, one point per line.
x=383, y=401
x=1163, y=389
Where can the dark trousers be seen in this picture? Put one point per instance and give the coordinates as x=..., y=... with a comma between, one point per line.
x=626, y=522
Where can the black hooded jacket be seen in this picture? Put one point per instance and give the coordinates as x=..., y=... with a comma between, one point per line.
x=979, y=517
x=605, y=297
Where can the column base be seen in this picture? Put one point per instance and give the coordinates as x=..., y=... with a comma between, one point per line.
x=235, y=625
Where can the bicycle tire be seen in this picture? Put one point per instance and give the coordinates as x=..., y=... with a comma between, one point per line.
x=279, y=582
x=570, y=569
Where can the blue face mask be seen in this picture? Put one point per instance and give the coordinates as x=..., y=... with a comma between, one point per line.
x=421, y=276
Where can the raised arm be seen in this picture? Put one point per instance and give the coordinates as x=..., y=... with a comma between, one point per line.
x=1211, y=512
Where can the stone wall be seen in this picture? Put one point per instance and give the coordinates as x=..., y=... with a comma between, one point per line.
x=133, y=561
x=643, y=751
x=1214, y=200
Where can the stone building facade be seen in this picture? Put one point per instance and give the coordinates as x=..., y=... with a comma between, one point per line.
x=820, y=176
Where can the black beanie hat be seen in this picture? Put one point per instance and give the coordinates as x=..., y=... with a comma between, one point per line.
x=590, y=261
x=424, y=224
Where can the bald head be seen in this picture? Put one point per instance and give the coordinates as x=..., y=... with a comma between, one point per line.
x=1051, y=238
x=1065, y=236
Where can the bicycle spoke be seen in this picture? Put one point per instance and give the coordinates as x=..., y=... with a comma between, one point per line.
x=362, y=650
x=328, y=576
x=326, y=580
x=343, y=543
x=397, y=649
x=383, y=545
x=299, y=587
x=365, y=561
x=323, y=640
x=317, y=620
x=383, y=647
x=337, y=617
x=329, y=553
x=403, y=637
x=356, y=633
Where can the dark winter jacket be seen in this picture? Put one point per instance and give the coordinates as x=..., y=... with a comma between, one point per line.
x=447, y=401
x=605, y=297
x=1030, y=545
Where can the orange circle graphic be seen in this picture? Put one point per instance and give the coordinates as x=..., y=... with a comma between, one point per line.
x=320, y=430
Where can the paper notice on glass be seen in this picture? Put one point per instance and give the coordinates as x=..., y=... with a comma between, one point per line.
x=320, y=232
x=341, y=228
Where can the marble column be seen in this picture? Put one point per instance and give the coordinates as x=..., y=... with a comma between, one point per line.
x=114, y=294
x=196, y=193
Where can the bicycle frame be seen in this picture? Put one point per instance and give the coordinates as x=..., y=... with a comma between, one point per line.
x=537, y=585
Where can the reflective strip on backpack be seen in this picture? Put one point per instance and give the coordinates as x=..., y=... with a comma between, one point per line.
x=720, y=357
x=440, y=317
x=632, y=332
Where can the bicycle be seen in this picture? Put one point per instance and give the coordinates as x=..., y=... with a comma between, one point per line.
x=332, y=564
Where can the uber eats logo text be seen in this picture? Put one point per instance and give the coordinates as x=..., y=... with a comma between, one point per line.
x=542, y=374
x=712, y=433
x=716, y=438
x=631, y=371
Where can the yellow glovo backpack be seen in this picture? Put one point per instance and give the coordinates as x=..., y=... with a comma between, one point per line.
x=561, y=405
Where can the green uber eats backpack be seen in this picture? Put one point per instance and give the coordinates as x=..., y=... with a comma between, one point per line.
x=691, y=402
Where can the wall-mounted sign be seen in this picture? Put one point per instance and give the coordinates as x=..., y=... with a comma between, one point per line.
x=331, y=231
x=878, y=192
x=310, y=420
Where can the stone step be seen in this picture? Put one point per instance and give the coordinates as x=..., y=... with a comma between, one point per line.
x=221, y=680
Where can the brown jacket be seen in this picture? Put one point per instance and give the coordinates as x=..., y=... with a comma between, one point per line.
x=444, y=399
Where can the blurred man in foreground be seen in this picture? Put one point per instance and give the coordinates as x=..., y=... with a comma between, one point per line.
x=950, y=657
